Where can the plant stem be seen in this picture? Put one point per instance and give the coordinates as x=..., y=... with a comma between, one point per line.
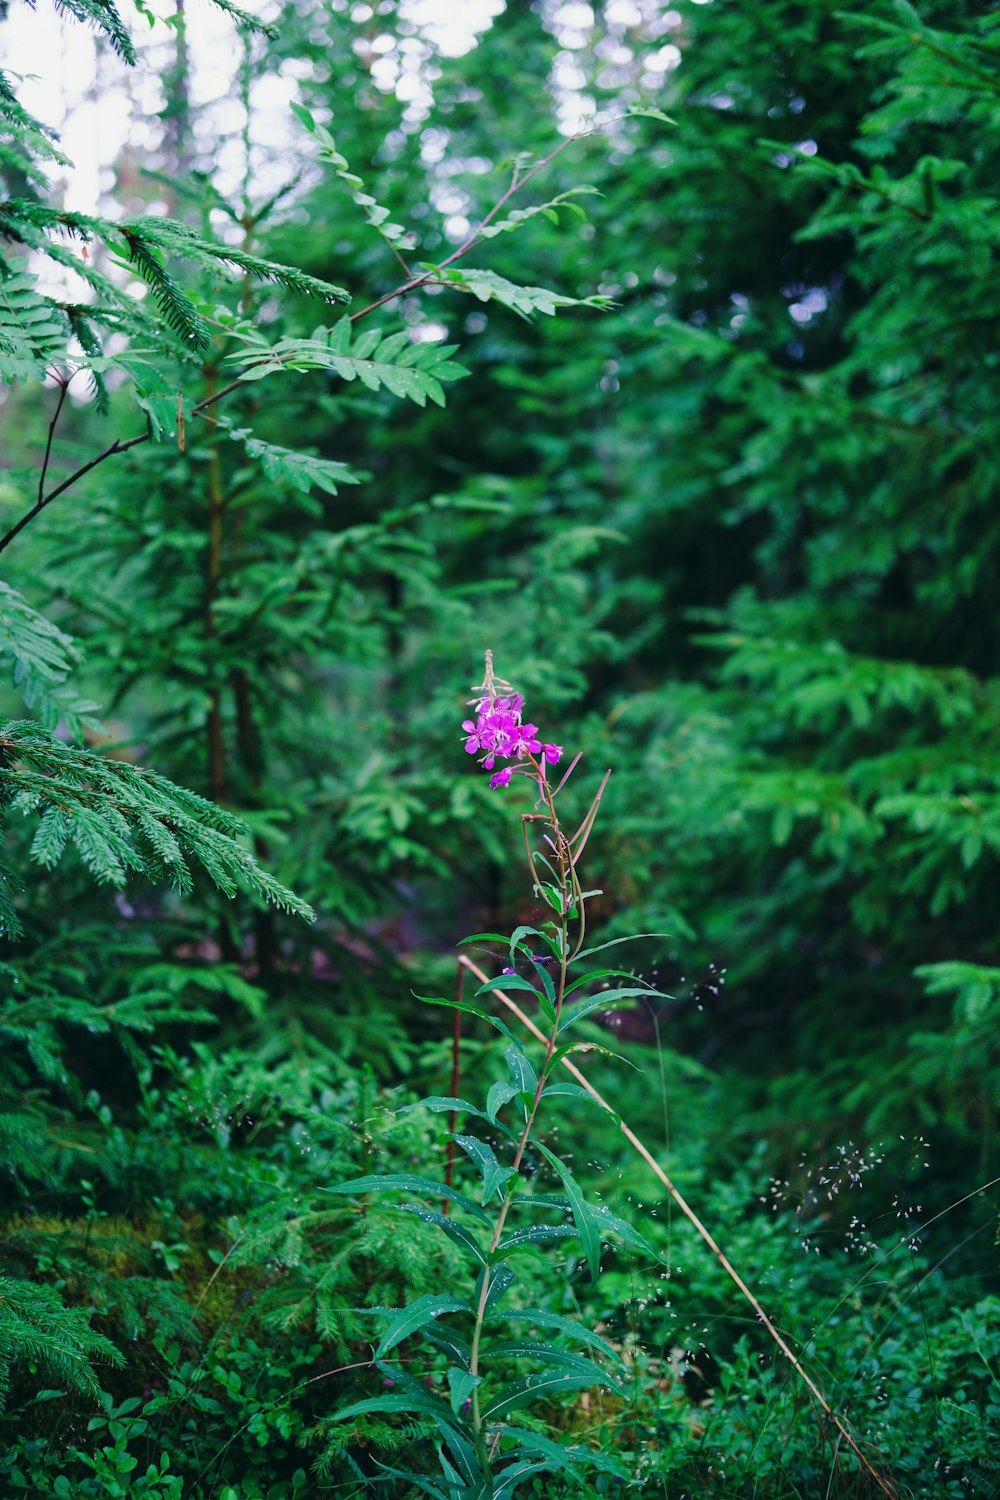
x=690, y=1214
x=567, y=879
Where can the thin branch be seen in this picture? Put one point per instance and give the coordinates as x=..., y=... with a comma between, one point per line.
x=411, y=285
x=470, y=242
x=63, y=388
x=690, y=1214
x=116, y=447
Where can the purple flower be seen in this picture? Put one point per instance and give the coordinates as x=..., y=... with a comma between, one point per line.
x=525, y=741
x=497, y=731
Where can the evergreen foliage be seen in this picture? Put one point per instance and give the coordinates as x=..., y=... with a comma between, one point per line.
x=35, y=1325
x=122, y=819
x=740, y=532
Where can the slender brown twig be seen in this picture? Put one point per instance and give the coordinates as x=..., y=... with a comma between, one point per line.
x=63, y=388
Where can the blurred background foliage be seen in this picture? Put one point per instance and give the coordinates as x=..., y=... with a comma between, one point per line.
x=737, y=537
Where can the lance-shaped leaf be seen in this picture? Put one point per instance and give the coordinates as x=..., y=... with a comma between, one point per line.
x=472, y=1010
x=514, y=1475
x=560, y=1090
x=461, y=1384
x=565, y=1455
x=578, y=1331
x=594, y=976
x=494, y=1173
x=615, y=942
x=544, y=1354
x=407, y=1182
x=534, y=1234
x=603, y=999
x=590, y=1239
x=461, y=1462
x=545, y=997
x=502, y=1278
x=500, y=1094
x=522, y=1074
x=416, y=1315
x=444, y=1337
x=456, y=1232
x=401, y=1402
x=543, y=1386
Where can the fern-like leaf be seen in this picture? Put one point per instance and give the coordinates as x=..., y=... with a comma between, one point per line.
x=41, y=659
x=518, y=217
x=303, y=471
x=32, y=334
x=377, y=215
x=411, y=371
x=488, y=286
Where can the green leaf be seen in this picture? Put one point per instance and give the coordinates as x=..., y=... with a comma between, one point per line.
x=557, y=1089
x=522, y=1074
x=594, y=975
x=161, y=407
x=602, y=1000
x=494, y=1174
x=111, y=808
x=472, y=1010
x=461, y=1385
x=403, y=1402
x=488, y=286
x=647, y=113
x=582, y=1216
x=566, y=1456
x=444, y=1337
x=448, y=1226
x=42, y=658
x=544, y=1354
x=517, y=943
x=518, y=217
x=507, y=982
x=502, y=1278
x=633, y=937
x=409, y=370
x=442, y=1103
x=407, y=1182
x=303, y=471
x=534, y=1234
x=546, y=997
x=543, y=1386
x=416, y=1315
x=567, y=1326
x=500, y=1093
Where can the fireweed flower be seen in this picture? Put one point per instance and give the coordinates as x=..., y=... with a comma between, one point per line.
x=497, y=731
